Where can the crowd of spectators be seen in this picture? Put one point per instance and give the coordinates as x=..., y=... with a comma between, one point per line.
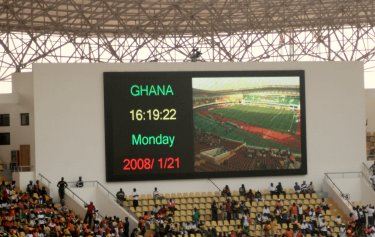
x=32, y=213
x=300, y=220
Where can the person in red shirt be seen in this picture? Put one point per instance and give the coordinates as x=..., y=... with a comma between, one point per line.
x=293, y=211
x=89, y=214
x=299, y=234
x=172, y=206
x=267, y=229
x=288, y=232
x=162, y=212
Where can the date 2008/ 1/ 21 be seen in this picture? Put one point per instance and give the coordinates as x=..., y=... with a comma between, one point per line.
x=148, y=163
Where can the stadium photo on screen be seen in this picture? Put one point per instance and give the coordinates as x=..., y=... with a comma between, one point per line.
x=247, y=123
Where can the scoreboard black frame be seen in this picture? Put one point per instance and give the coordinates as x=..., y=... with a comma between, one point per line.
x=178, y=124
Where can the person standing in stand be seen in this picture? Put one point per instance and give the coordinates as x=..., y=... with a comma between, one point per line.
x=79, y=183
x=89, y=214
x=120, y=195
x=135, y=198
x=62, y=185
x=126, y=227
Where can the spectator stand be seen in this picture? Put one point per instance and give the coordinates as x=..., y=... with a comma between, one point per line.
x=186, y=202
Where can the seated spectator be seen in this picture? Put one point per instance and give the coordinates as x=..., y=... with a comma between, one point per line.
x=155, y=209
x=37, y=187
x=226, y=192
x=342, y=230
x=324, y=205
x=120, y=195
x=258, y=196
x=79, y=183
x=297, y=188
x=304, y=188
x=250, y=196
x=172, y=206
x=267, y=229
x=235, y=209
x=338, y=221
x=214, y=211
x=288, y=232
x=299, y=233
x=156, y=194
x=305, y=228
x=272, y=189
x=146, y=216
x=279, y=189
x=277, y=214
x=323, y=227
x=242, y=190
x=318, y=210
x=279, y=203
x=243, y=208
x=258, y=219
x=266, y=211
x=284, y=216
x=310, y=188
x=196, y=216
x=29, y=187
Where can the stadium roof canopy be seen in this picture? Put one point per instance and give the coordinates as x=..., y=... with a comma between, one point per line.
x=169, y=17
x=168, y=30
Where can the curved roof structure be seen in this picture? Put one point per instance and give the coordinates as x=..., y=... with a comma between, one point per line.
x=172, y=30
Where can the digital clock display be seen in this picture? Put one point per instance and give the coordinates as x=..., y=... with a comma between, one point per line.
x=153, y=114
x=167, y=125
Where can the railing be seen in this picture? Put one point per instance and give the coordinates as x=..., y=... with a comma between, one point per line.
x=344, y=196
x=115, y=199
x=367, y=175
x=43, y=178
x=74, y=196
x=101, y=186
x=20, y=168
x=214, y=184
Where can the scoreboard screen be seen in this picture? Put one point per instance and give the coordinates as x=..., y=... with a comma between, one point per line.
x=193, y=124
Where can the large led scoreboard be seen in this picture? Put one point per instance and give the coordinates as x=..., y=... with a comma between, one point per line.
x=204, y=124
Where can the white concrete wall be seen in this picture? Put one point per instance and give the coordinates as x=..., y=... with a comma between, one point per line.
x=343, y=204
x=69, y=122
x=72, y=203
x=23, y=178
x=107, y=206
x=22, y=101
x=368, y=194
x=349, y=183
x=370, y=110
x=103, y=202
